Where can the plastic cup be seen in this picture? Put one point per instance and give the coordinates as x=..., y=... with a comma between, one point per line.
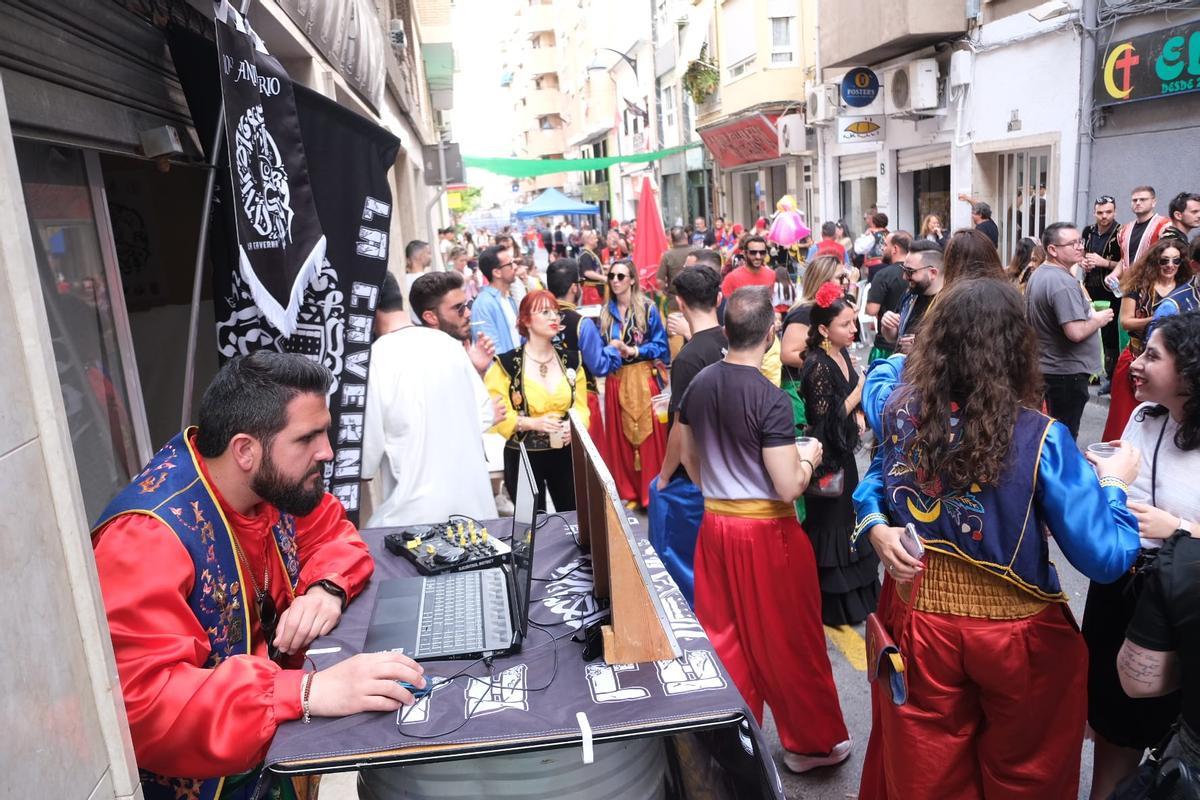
x=1102, y=449
x=1101, y=305
x=661, y=403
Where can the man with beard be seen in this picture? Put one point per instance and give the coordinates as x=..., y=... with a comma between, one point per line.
x=888, y=288
x=923, y=271
x=427, y=410
x=218, y=565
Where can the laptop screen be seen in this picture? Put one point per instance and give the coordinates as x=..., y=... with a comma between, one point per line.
x=524, y=519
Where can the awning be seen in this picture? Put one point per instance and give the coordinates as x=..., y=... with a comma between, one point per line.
x=594, y=135
x=695, y=34
x=746, y=140
x=552, y=203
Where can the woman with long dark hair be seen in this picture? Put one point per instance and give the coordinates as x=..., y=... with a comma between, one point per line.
x=636, y=338
x=1159, y=271
x=539, y=382
x=832, y=391
x=994, y=664
x=1166, y=428
x=1027, y=257
x=969, y=253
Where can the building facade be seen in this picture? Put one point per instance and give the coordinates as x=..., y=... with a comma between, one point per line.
x=758, y=58
x=98, y=246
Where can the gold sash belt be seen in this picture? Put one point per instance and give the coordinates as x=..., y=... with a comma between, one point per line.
x=950, y=585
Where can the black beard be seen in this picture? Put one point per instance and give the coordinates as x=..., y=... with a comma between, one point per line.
x=290, y=498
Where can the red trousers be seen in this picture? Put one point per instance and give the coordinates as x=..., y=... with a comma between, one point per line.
x=759, y=602
x=996, y=709
x=596, y=426
x=1121, y=401
x=631, y=473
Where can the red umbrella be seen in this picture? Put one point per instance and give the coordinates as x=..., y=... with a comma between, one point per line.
x=651, y=240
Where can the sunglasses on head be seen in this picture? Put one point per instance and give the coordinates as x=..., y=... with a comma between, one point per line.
x=1105, y=199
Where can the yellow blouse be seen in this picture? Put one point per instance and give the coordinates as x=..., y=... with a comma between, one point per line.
x=538, y=401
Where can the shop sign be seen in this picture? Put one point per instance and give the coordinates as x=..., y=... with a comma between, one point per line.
x=595, y=192
x=860, y=87
x=860, y=129
x=744, y=141
x=1159, y=64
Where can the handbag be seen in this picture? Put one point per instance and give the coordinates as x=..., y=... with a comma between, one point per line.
x=1168, y=779
x=884, y=657
x=831, y=484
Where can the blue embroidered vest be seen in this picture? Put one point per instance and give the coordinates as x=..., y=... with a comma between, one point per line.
x=172, y=489
x=995, y=527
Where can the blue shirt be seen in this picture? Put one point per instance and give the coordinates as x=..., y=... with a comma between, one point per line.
x=1184, y=298
x=487, y=314
x=653, y=345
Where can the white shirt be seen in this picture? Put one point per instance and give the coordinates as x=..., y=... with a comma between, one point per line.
x=1175, y=491
x=426, y=413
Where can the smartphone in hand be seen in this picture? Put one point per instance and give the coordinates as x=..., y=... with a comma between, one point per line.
x=911, y=542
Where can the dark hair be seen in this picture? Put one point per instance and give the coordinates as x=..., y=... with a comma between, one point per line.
x=489, y=259
x=1050, y=235
x=1149, y=189
x=561, y=275
x=754, y=237
x=970, y=254
x=708, y=258
x=250, y=395
x=748, y=316
x=986, y=318
x=1179, y=203
x=930, y=252
x=679, y=235
x=903, y=240
x=698, y=286
x=879, y=219
x=1180, y=334
x=829, y=229
x=390, y=296
x=1026, y=250
x=427, y=291
x=412, y=248
x=824, y=315
x=1143, y=273
x=982, y=210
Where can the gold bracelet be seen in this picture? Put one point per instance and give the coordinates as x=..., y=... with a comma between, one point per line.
x=305, y=689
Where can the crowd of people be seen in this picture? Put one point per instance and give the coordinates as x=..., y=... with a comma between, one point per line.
x=726, y=392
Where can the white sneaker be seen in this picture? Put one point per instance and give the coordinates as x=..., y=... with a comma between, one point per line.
x=801, y=763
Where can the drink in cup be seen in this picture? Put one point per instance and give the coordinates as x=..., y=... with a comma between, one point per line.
x=1103, y=449
x=661, y=403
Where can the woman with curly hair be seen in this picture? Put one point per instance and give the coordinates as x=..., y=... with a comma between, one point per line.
x=969, y=253
x=832, y=390
x=1159, y=271
x=994, y=664
x=636, y=338
x=1166, y=428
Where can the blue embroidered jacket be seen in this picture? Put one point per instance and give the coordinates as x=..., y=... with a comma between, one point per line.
x=173, y=490
x=998, y=527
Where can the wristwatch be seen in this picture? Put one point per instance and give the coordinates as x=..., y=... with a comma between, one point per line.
x=332, y=588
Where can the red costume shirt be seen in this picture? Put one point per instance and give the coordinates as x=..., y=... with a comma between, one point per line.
x=187, y=720
x=744, y=276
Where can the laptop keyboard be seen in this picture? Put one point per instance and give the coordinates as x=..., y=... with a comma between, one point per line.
x=453, y=618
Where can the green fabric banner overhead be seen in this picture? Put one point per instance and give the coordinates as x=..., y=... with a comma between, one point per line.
x=532, y=167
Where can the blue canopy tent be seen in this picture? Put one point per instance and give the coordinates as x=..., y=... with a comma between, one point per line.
x=551, y=203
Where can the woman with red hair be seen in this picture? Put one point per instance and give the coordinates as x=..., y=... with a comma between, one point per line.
x=538, y=384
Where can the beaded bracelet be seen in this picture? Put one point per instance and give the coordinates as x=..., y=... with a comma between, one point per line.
x=305, y=689
x=1116, y=483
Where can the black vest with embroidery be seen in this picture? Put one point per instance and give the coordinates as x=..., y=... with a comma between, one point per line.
x=568, y=339
x=512, y=363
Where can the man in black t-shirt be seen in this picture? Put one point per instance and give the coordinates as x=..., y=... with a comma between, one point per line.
x=888, y=288
x=756, y=577
x=1101, y=255
x=922, y=271
x=676, y=505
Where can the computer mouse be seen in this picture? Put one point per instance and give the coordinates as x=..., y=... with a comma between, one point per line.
x=417, y=693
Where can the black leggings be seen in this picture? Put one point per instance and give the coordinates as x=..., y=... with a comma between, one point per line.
x=551, y=470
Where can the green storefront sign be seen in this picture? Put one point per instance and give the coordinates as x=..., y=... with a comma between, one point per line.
x=1158, y=64
x=595, y=192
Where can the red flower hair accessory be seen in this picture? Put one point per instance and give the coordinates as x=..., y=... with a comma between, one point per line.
x=828, y=294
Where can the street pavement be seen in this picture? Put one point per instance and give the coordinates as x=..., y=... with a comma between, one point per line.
x=847, y=656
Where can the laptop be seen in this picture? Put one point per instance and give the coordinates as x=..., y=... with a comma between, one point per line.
x=468, y=614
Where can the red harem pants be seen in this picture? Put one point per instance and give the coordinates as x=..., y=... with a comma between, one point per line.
x=759, y=602
x=1121, y=401
x=996, y=708
x=631, y=474
x=596, y=426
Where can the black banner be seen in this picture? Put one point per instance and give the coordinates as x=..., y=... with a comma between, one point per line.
x=349, y=160
x=1158, y=64
x=280, y=245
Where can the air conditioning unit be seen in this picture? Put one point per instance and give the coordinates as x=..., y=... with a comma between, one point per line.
x=397, y=34
x=912, y=89
x=794, y=136
x=820, y=103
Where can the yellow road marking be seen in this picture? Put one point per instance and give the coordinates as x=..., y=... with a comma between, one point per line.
x=851, y=645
